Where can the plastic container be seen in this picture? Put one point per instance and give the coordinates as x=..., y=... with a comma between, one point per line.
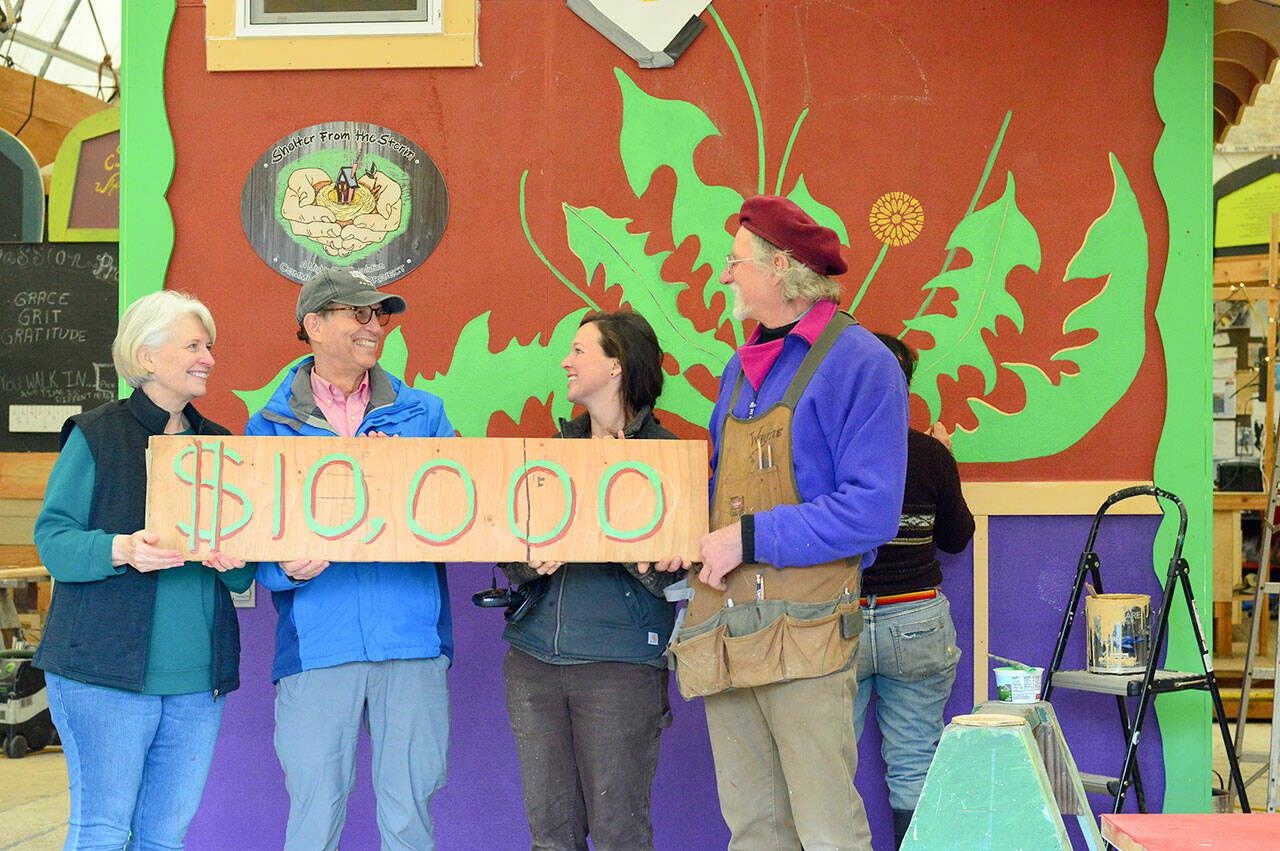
x=1017, y=685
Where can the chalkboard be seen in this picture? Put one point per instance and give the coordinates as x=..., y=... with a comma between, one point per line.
x=59, y=305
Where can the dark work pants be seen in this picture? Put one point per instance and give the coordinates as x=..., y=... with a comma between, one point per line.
x=588, y=741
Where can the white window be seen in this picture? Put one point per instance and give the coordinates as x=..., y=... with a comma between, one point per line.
x=292, y=18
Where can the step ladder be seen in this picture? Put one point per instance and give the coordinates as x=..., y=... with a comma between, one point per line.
x=1261, y=609
x=1150, y=682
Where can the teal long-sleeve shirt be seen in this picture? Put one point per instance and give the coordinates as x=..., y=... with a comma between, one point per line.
x=180, y=660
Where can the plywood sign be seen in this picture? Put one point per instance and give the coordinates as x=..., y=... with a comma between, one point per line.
x=428, y=499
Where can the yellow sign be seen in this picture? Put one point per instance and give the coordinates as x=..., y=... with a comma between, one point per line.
x=1244, y=216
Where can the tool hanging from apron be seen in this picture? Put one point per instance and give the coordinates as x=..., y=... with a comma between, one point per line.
x=770, y=624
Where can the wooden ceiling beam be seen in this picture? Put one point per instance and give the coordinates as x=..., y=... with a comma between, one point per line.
x=49, y=111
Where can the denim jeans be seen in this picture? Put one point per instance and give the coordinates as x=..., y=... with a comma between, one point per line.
x=136, y=762
x=908, y=658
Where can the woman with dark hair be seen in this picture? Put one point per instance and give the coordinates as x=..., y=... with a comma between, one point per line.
x=140, y=647
x=586, y=677
x=908, y=654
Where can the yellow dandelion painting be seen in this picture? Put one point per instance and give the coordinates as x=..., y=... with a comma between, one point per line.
x=896, y=218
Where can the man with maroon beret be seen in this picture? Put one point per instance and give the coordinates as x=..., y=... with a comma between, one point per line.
x=808, y=467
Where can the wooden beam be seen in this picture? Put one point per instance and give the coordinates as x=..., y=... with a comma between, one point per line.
x=52, y=109
x=1244, y=269
x=1269, y=450
x=23, y=474
x=1241, y=292
x=1050, y=498
x=1235, y=501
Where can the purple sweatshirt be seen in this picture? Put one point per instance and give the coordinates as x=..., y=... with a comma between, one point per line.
x=848, y=442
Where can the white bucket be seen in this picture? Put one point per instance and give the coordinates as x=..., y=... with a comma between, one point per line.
x=1015, y=685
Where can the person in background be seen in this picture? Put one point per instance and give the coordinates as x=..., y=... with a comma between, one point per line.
x=909, y=654
x=140, y=647
x=586, y=675
x=368, y=640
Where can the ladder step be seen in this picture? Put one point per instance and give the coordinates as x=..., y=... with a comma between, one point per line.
x=1128, y=685
x=1100, y=783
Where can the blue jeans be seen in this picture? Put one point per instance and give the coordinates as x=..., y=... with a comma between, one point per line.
x=405, y=703
x=136, y=762
x=908, y=658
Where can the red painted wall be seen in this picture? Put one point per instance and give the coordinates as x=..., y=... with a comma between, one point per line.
x=898, y=102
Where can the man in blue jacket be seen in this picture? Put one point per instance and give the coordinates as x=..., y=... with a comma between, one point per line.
x=356, y=639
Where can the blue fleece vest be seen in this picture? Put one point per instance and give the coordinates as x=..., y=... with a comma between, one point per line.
x=100, y=632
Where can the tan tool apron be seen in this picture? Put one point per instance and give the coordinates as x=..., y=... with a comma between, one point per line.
x=771, y=624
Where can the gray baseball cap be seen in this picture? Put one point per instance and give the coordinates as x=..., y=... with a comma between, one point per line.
x=344, y=286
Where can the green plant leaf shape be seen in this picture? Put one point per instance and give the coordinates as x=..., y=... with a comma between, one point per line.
x=999, y=239
x=602, y=241
x=480, y=382
x=395, y=354
x=1115, y=248
x=657, y=132
x=256, y=400
x=822, y=214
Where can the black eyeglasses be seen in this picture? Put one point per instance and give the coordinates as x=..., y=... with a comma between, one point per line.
x=364, y=314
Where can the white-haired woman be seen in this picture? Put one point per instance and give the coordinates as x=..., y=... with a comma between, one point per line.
x=140, y=647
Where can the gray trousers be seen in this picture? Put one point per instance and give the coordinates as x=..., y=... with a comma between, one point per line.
x=588, y=737
x=786, y=755
x=318, y=717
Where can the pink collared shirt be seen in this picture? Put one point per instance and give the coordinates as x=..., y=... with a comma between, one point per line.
x=344, y=413
x=757, y=358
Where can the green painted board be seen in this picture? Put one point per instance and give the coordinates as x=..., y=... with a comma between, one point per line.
x=987, y=789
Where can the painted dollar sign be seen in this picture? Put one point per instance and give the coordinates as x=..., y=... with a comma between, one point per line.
x=213, y=531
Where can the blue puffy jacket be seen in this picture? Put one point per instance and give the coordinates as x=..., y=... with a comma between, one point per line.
x=356, y=611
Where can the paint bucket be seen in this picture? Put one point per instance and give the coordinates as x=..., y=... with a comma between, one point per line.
x=1018, y=685
x=1119, y=632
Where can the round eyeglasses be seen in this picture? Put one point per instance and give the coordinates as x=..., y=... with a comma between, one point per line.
x=365, y=313
x=729, y=259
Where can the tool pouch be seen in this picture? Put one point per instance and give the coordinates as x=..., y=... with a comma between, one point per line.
x=766, y=641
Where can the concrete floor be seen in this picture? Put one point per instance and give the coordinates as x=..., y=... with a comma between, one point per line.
x=34, y=797
x=33, y=801
x=1257, y=741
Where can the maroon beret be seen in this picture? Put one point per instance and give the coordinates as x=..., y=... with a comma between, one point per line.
x=782, y=222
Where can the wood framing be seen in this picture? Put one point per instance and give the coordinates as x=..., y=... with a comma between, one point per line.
x=457, y=46
x=66, y=180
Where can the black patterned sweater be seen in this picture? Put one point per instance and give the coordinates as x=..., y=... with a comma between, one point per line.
x=934, y=516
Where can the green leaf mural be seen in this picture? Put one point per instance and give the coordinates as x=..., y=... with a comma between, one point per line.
x=999, y=239
x=659, y=133
x=256, y=400
x=480, y=382
x=822, y=214
x=603, y=242
x=1056, y=416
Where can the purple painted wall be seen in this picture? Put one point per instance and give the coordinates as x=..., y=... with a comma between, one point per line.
x=1033, y=561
